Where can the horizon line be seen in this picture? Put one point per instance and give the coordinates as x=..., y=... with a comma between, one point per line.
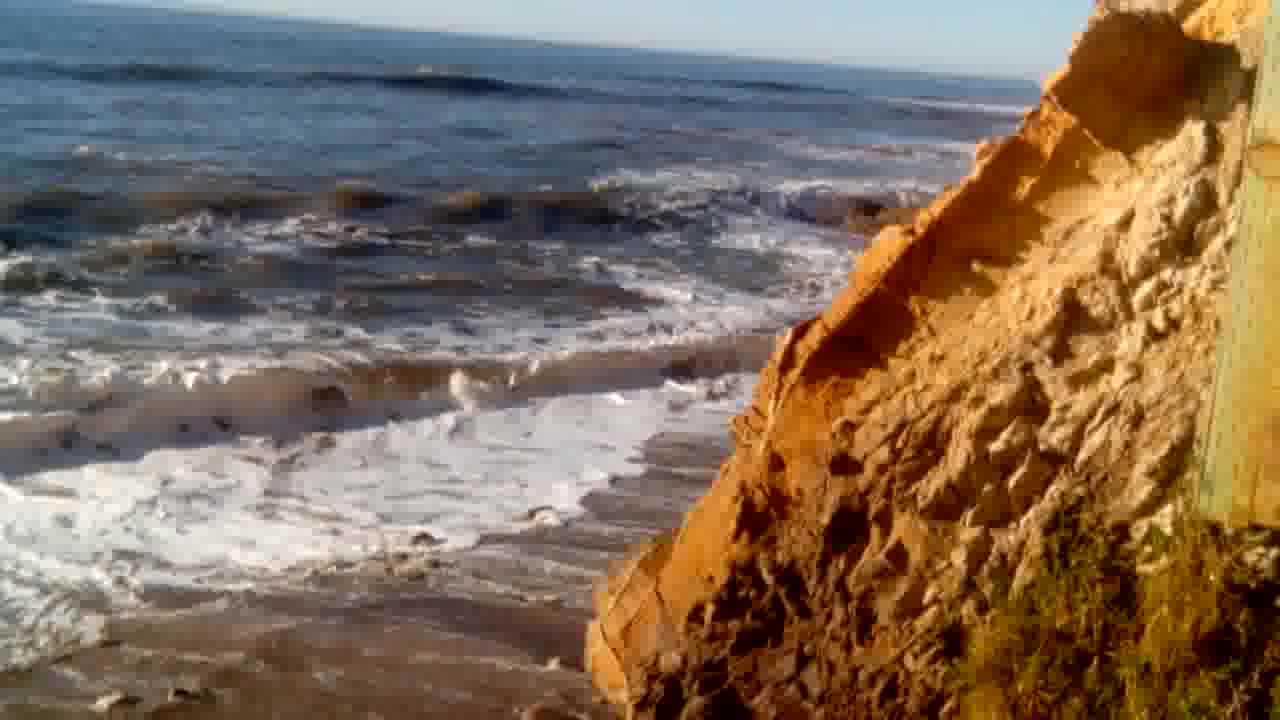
x=210, y=9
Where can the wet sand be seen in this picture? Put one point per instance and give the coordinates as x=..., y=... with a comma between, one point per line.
x=489, y=632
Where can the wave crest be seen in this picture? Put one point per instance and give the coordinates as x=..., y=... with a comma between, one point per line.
x=144, y=73
x=109, y=413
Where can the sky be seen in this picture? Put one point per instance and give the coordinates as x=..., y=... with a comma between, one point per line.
x=1025, y=38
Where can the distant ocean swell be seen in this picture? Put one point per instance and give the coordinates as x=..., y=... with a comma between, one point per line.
x=447, y=82
x=139, y=73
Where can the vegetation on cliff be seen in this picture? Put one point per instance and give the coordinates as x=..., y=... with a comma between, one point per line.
x=1192, y=633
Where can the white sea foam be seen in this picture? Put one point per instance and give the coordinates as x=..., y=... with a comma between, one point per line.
x=233, y=507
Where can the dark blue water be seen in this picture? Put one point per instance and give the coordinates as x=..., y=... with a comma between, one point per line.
x=286, y=104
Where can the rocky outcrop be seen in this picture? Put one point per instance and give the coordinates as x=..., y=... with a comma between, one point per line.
x=1043, y=332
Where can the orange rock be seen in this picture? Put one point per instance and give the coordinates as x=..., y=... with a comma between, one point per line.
x=958, y=374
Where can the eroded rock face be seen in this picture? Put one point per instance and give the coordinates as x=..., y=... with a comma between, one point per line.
x=1042, y=333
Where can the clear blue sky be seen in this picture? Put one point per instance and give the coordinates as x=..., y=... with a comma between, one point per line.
x=1007, y=37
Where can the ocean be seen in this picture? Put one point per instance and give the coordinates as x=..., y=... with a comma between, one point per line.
x=277, y=294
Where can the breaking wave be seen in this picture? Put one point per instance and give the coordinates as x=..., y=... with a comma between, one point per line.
x=197, y=403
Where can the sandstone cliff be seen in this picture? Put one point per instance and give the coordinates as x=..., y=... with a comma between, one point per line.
x=1035, y=346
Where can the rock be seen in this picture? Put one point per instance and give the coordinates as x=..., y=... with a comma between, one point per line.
x=546, y=711
x=984, y=149
x=324, y=442
x=634, y=619
x=1026, y=573
x=351, y=197
x=425, y=539
x=1062, y=431
x=1103, y=298
x=1154, y=472
x=1013, y=444
x=1162, y=230
x=1134, y=340
x=114, y=699
x=944, y=494
x=1163, y=519
x=933, y=617
x=1161, y=322
x=473, y=207
x=966, y=472
x=1047, y=328
x=972, y=611
x=975, y=546
x=825, y=206
x=211, y=302
x=413, y=569
x=1180, y=9
x=1219, y=245
x=904, y=602
x=26, y=277
x=1028, y=483
x=1127, y=372
x=1188, y=152
x=327, y=400
x=867, y=225
x=879, y=567
x=1004, y=403
x=1253, y=536
x=994, y=575
x=1155, y=567
x=1098, y=437
x=1117, y=219
x=1149, y=292
x=1141, y=498
x=184, y=695
x=772, y=704
x=1251, y=42
x=699, y=707
x=991, y=509
x=1090, y=370
x=1154, y=77
x=553, y=208
x=177, y=704
x=780, y=665
x=811, y=681
x=670, y=662
x=543, y=515
x=1263, y=560
x=934, y=594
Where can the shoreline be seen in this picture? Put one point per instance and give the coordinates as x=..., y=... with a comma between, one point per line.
x=441, y=641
